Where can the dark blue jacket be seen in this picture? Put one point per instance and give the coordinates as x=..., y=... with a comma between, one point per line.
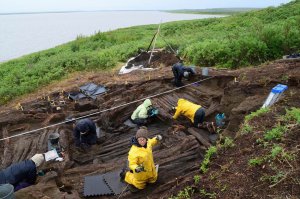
x=88, y=126
x=24, y=171
x=180, y=68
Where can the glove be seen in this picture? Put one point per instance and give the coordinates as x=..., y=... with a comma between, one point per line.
x=139, y=169
x=154, y=112
x=158, y=137
x=41, y=173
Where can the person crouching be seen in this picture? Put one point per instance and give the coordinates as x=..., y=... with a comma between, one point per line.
x=22, y=174
x=140, y=159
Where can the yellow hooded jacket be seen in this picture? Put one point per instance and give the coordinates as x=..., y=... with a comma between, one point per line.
x=141, y=156
x=186, y=108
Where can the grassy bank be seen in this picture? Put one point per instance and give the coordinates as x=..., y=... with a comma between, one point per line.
x=215, y=11
x=236, y=41
x=264, y=155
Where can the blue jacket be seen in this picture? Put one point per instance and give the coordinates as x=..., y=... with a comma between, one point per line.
x=86, y=126
x=24, y=171
x=181, y=68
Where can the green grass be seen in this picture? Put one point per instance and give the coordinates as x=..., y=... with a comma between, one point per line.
x=209, y=153
x=292, y=115
x=275, y=133
x=246, y=129
x=255, y=161
x=256, y=114
x=228, y=142
x=237, y=41
x=197, y=179
x=186, y=193
x=218, y=11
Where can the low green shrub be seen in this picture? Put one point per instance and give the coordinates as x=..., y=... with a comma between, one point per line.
x=209, y=153
x=275, y=133
x=257, y=113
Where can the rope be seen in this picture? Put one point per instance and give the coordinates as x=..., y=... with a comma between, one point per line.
x=105, y=110
x=122, y=192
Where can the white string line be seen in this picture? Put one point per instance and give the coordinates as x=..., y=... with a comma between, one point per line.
x=123, y=191
x=105, y=110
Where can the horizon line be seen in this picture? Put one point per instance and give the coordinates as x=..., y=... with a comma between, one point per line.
x=72, y=11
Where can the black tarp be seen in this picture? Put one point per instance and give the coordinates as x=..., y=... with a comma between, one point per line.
x=104, y=184
x=90, y=90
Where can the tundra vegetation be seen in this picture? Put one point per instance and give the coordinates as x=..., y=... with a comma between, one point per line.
x=236, y=41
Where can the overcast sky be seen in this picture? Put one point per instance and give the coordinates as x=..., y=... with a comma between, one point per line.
x=8, y=6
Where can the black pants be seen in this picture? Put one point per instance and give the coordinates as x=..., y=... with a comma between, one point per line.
x=177, y=77
x=140, y=121
x=199, y=116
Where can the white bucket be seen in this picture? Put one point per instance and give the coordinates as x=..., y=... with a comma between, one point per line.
x=275, y=95
x=205, y=71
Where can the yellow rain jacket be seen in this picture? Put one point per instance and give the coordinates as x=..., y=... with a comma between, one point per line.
x=186, y=108
x=141, y=156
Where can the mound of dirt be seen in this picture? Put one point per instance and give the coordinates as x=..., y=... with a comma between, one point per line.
x=236, y=93
x=159, y=58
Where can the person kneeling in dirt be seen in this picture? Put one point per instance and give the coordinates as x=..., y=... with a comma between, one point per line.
x=22, y=174
x=142, y=113
x=84, y=133
x=194, y=112
x=140, y=160
x=181, y=71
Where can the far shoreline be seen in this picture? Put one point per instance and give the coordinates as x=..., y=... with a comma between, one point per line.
x=214, y=11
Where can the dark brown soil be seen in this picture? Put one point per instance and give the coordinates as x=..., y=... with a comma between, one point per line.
x=159, y=58
x=180, y=153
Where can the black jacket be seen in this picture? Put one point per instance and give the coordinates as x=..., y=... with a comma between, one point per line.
x=24, y=171
x=84, y=125
x=180, y=68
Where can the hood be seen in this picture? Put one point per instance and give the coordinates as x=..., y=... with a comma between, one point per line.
x=134, y=141
x=147, y=103
x=180, y=101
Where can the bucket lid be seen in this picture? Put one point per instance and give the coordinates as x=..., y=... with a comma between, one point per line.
x=279, y=88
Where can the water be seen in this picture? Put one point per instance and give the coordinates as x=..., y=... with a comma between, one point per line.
x=22, y=34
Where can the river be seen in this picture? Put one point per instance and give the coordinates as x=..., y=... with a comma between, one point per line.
x=22, y=34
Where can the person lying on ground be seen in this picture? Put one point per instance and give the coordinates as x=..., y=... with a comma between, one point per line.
x=140, y=161
x=141, y=114
x=84, y=132
x=180, y=71
x=22, y=174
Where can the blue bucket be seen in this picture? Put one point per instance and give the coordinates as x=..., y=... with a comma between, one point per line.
x=220, y=119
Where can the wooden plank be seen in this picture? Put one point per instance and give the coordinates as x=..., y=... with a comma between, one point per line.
x=199, y=137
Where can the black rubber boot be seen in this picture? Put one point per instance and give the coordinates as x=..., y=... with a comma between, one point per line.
x=122, y=175
x=133, y=189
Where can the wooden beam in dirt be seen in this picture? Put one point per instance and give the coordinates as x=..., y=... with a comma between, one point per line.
x=199, y=137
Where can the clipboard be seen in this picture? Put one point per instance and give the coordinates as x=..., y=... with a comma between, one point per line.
x=51, y=155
